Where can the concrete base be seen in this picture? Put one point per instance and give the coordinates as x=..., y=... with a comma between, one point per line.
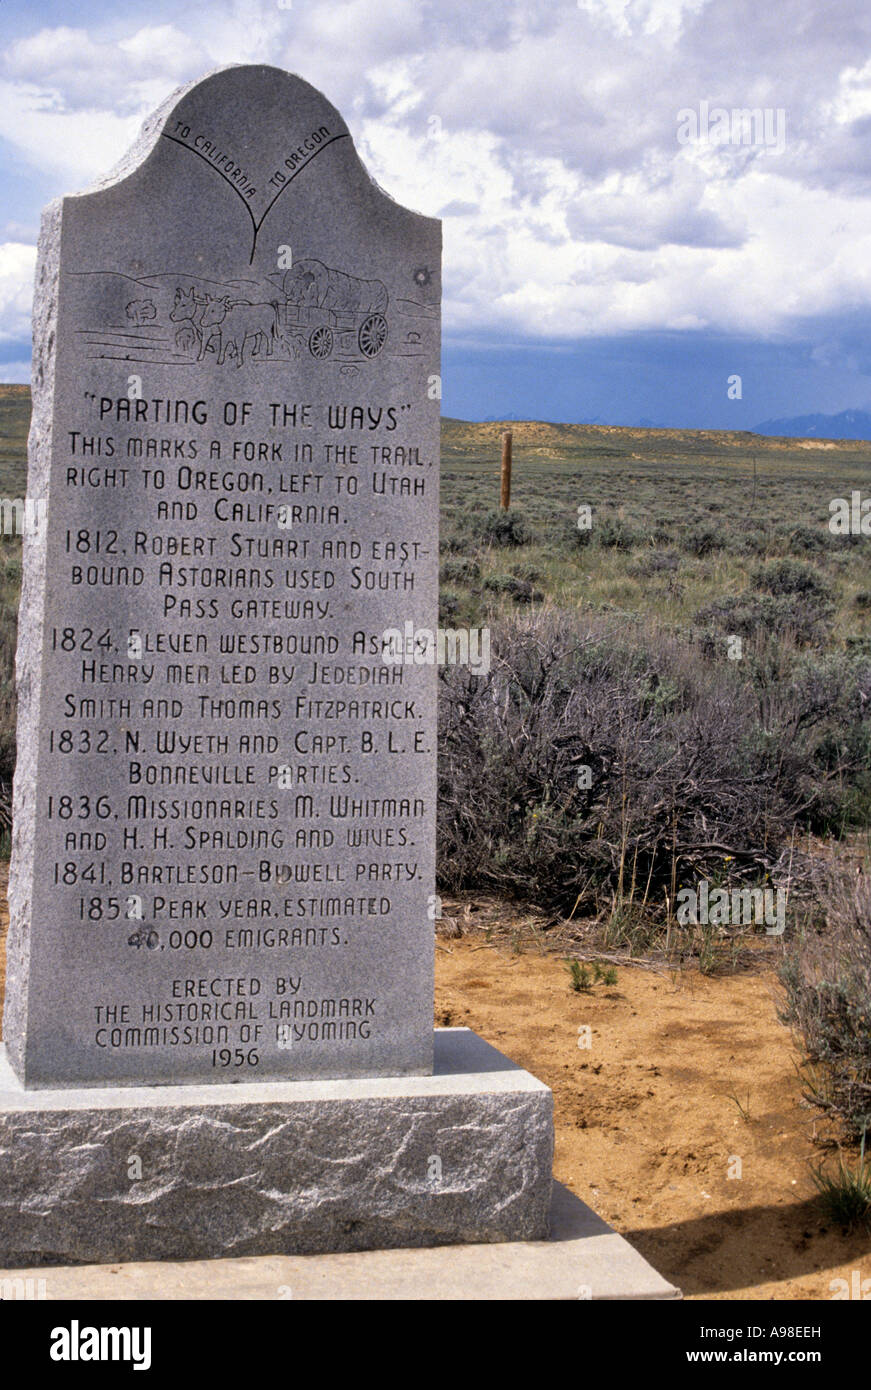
x=582, y=1259
x=277, y=1168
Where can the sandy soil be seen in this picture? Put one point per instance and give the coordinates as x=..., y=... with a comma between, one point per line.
x=649, y=1117
x=646, y=1125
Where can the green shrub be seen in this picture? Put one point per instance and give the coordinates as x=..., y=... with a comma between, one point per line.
x=806, y=540
x=827, y=980
x=566, y=693
x=576, y=538
x=453, y=542
x=845, y=1194
x=749, y=542
x=449, y=607
x=655, y=562
x=804, y=618
x=460, y=570
x=702, y=541
x=791, y=577
x=500, y=528
x=528, y=573
x=520, y=590
x=614, y=534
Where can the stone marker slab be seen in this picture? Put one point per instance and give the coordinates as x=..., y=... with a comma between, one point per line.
x=463, y=1155
x=224, y=803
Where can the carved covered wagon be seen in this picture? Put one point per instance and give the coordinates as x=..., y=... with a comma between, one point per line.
x=335, y=311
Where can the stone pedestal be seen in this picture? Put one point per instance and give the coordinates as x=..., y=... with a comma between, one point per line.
x=197, y=1172
x=581, y=1259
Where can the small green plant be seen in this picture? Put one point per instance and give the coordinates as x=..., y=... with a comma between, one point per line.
x=709, y=949
x=845, y=1194
x=606, y=974
x=629, y=927
x=744, y=1109
x=580, y=980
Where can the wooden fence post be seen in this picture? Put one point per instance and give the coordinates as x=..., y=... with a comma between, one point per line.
x=505, y=499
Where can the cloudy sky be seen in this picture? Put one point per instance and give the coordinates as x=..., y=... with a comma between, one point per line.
x=618, y=244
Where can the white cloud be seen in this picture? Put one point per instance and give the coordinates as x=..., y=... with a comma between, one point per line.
x=627, y=17
x=17, y=264
x=547, y=135
x=852, y=98
x=78, y=71
x=72, y=145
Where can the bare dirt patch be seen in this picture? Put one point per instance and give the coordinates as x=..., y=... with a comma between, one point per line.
x=685, y=1074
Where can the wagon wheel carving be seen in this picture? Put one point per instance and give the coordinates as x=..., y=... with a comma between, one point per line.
x=320, y=343
x=372, y=335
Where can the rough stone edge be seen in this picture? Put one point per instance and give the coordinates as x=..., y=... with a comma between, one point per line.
x=67, y=1199
x=29, y=653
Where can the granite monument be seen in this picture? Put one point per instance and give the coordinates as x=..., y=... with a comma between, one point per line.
x=224, y=814
x=217, y=1034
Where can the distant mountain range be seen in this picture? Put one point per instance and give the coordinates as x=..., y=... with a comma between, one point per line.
x=850, y=424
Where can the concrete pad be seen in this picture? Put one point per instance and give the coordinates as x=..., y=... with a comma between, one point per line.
x=582, y=1259
x=101, y=1175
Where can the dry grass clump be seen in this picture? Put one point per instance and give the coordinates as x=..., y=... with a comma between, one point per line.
x=827, y=980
